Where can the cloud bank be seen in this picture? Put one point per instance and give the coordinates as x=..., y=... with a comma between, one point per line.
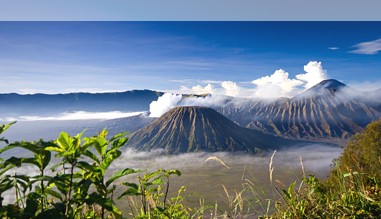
x=197, y=169
x=277, y=84
x=77, y=115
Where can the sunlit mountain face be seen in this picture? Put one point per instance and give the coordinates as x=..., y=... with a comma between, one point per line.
x=328, y=111
x=192, y=129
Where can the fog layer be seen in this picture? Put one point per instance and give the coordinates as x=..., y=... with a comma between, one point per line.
x=198, y=170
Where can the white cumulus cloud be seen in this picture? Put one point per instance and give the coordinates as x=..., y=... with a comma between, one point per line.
x=276, y=85
x=202, y=90
x=198, y=89
x=231, y=88
x=314, y=74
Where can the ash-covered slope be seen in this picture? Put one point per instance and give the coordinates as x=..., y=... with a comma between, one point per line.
x=328, y=110
x=190, y=129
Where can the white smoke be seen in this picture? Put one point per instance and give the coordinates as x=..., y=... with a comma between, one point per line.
x=169, y=101
x=163, y=104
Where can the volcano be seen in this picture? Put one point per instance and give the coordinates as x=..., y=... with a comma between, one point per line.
x=192, y=129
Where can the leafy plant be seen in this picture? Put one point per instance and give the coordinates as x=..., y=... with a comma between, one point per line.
x=152, y=189
x=107, y=152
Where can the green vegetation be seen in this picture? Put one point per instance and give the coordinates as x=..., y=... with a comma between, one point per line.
x=82, y=185
x=78, y=186
x=353, y=189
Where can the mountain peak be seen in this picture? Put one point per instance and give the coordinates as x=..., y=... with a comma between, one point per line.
x=329, y=84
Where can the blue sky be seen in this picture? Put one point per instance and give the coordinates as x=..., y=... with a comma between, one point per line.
x=56, y=57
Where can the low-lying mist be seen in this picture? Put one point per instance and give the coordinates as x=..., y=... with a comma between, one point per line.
x=315, y=157
x=70, y=116
x=205, y=178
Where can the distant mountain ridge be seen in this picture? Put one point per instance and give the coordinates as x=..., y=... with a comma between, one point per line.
x=135, y=100
x=191, y=129
x=328, y=110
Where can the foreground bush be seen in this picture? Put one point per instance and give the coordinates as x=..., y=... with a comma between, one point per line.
x=353, y=189
x=313, y=199
x=79, y=187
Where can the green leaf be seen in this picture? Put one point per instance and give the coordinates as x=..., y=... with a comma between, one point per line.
x=91, y=155
x=24, y=145
x=153, y=174
x=158, y=181
x=5, y=185
x=109, y=159
x=14, y=161
x=133, y=185
x=42, y=178
x=46, y=159
x=119, y=135
x=53, y=193
x=5, y=168
x=118, y=143
x=33, y=161
x=55, y=148
x=103, y=133
x=171, y=172
x=64, y=141
x=85, y=166
x=121, y=173
x=130, y=192
x=3, y=128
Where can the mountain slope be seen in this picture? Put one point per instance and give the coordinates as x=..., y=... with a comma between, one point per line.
x=190, y=129
x=128, y=124
x=326, y=111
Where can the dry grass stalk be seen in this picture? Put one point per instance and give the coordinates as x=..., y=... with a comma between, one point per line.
x=217, y=159
x=271, y=167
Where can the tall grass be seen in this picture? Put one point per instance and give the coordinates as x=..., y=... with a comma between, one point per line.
x=353, y=195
